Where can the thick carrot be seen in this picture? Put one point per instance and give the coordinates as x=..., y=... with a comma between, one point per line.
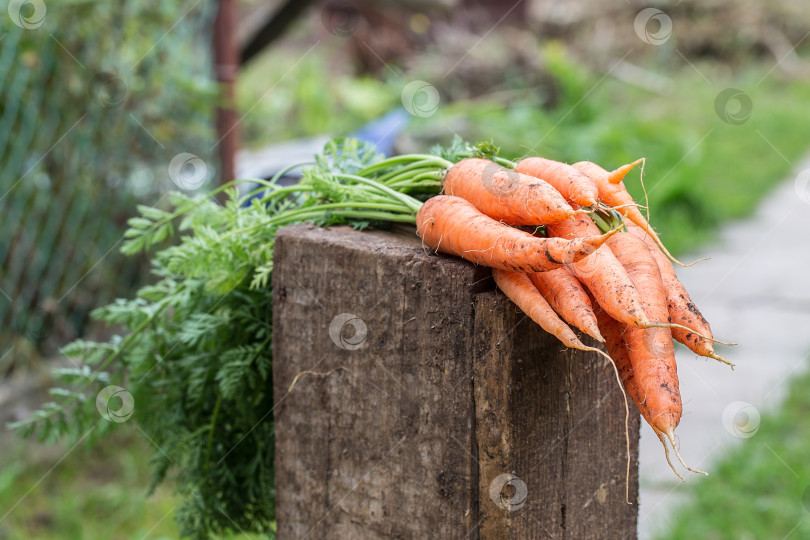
x=617, y=348
x=613, y=193
x=508, y=196
x=603, y=275
x=571, y=183
x=654, y=359
x=642, y=269
x=454, y=226
x=565, y=294
x=680, y=307
x=651, y=351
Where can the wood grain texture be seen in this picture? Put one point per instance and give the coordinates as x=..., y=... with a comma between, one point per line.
x=553, y=418
x=405, y=425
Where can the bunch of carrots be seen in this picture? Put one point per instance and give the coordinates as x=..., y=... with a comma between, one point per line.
x=544, y=229
x=566, y=243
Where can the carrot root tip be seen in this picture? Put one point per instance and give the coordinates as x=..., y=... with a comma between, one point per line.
x=651, y=324
x=693, y=263
x=721, y=359
x=671, y=436
x=666, y=454
x=618, y=175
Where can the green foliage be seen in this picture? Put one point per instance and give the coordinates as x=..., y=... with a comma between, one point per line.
x=196, y=356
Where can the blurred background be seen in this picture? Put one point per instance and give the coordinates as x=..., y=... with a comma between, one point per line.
x=106, y=105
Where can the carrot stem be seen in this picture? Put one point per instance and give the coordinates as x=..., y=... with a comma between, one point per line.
x=409, y=201
x=408, y=158
x=407, y=180
x=503, y=162
x=408, y=171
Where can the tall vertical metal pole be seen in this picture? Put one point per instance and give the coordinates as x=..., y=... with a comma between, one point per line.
x=226, y=65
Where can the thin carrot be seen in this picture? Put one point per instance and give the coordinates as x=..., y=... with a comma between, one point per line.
x=680, y=307
x=454, y=226
x=505, y=195
x=520, y=289
x=651, y=350
x=571, y=183
x=617, y=349
x=614, y=342
x=603, y=275
x=613, y=193
x=565, y=294
x=656, y=375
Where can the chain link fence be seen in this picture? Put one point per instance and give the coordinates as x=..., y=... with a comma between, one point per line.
x=96, y=99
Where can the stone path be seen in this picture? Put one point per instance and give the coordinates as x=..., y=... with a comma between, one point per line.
x=755, y=290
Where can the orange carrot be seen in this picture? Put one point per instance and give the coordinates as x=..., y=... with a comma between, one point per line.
x=454, y=226
x=571, y=183
x=652, y=352
x=633, y=254
x=565, y=294
x=617, y=348
x=614, y=342
x=656, y=375
x=505, y=195
x=613, y=193
x=520, y=289
x=603, y=275
x=680, y=307
x=616, y=176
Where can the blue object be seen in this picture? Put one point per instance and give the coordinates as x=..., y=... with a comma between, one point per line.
x=268, y=161
x=383, y=131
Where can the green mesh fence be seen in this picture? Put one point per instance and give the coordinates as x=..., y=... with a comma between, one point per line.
x=96, y=98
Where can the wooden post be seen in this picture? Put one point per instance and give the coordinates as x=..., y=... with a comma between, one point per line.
x=426, y=406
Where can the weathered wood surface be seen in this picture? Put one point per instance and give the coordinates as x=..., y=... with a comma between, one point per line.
x=554, y=417
x=431, y=391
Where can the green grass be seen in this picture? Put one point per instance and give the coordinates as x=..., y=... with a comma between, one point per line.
x=99, y=493
x=761, y=489
x=54, y=493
